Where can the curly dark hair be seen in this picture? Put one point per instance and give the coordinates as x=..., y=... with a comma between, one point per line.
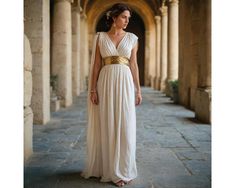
x=114, y=12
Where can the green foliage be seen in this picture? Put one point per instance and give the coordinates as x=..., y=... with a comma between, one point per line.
x=54, y=82
x=174, y=84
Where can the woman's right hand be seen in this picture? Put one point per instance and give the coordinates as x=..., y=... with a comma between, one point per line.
x=94, y=98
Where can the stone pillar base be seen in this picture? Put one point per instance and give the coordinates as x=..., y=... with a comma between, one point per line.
x=168, y=89
x=65, y=103
x=151, y=78
x=157, y=83
x=152, y=82
x=55, y=105
x=162, y=85
x=28, y=132
x=193, y=93
x=203, y=105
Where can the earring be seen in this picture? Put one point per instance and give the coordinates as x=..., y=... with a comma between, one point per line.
x=114, y=25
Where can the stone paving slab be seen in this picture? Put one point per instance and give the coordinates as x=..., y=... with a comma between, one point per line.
x=173, y=149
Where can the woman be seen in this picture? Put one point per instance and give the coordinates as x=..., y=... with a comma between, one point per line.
x=111, y=134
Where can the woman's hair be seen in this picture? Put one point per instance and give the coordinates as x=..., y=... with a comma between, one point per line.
x=114, y=12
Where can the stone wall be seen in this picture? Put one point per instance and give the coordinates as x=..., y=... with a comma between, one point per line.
x=28, y=114
x=203, y=92
x=37, y=18
x=189, y=44
x=203, y=105
x=194, y=56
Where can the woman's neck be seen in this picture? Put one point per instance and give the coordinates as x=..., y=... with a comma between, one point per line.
x=116, y=31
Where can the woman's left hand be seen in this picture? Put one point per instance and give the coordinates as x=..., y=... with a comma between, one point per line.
x=138, y=99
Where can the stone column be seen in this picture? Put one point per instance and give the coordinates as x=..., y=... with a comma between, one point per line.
x=86, y=62
x=62, y=50
x=203, y=92
x=173, y=40
x=204, y=66
x=147, y=73
x=163, y=69
x=37, y=29
x=158, y=51
x=76, y=50
x=83, y=52
x=28, y=87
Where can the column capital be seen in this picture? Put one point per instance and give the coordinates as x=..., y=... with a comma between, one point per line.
x=83, y=15
x=70, y=1
x=157, y=19
x=174, y=1
x=76, y=6
x=77, y=9
x=163, y=10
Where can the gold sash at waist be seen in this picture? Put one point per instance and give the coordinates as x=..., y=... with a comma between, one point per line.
x=115, y=60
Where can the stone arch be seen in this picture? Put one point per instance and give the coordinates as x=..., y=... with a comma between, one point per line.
x=95, y=12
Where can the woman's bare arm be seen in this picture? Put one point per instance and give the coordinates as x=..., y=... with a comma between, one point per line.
x=134, y=68
x=95, y=74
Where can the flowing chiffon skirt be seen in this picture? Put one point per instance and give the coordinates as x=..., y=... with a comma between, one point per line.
x=117, y=123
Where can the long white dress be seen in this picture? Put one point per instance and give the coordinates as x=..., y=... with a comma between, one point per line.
x=111, y=130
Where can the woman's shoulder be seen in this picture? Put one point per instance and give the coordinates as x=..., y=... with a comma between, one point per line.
x=132, y=35
x=100, y=32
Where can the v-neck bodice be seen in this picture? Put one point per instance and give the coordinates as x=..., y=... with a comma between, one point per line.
x=124, y=47
x=109, y=38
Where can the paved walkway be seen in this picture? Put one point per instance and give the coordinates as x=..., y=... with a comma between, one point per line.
x=173, y=150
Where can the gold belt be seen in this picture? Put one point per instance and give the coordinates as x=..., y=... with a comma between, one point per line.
x=115, y=60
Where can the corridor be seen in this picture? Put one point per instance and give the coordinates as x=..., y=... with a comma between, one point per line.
x=173, y=149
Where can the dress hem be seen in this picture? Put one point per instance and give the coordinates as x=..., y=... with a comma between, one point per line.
x=102, y=179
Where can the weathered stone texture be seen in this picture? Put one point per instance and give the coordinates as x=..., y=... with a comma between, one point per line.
x=158, y=52
x=27, y=88
x=164, y=46
x=173, y=41
x=76, y=52
x=28, y=114
x=37, y=22
x=55, y=105
x=203, y=105
x=195, y=52
x=27, y=55
x=82, y=51
x=86, y=56
x=28, y=132
x=62, y=50
x=27, y=72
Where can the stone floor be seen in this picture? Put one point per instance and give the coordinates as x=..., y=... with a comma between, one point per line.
x=173, y=149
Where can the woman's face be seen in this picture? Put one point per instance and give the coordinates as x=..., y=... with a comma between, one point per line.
x=122, y=20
